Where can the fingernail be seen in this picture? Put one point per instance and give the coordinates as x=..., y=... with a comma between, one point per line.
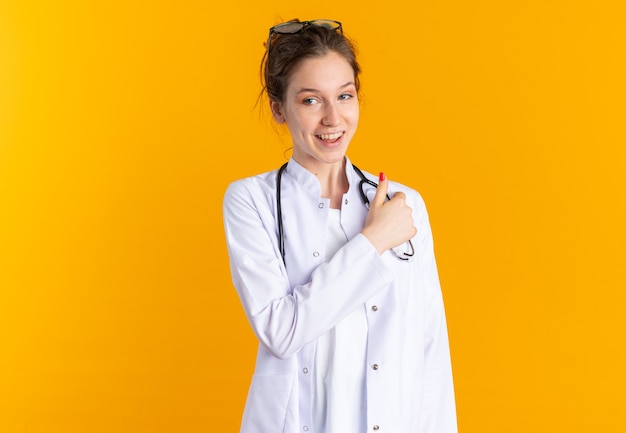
x=381, y=176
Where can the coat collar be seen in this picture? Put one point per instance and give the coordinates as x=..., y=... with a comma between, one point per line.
x=308, y=181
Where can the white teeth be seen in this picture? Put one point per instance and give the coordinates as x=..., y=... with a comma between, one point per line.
x=334, y=136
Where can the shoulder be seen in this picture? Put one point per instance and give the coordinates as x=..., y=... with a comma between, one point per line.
x=413, y=197
x=250, y=199
x=251, y=188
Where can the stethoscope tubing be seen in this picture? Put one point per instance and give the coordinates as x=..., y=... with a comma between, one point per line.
x=364, y=181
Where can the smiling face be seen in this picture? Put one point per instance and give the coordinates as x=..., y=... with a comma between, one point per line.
x=321, y=110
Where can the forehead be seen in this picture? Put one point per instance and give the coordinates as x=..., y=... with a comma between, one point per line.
x=329, y=71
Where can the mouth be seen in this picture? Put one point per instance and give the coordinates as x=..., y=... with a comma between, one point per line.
x=330, y=138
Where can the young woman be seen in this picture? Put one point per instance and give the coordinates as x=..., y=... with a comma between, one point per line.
x=336, y=274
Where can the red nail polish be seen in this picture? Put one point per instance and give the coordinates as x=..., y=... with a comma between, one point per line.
x=381, y=176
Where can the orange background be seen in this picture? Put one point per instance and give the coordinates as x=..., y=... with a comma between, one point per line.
x=122, y=123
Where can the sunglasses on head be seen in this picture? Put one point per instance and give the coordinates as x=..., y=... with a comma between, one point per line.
x=291, y=28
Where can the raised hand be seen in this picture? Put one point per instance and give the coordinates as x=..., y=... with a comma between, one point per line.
x=389, y=222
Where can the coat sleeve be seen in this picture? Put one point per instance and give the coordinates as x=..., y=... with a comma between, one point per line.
x=439, y=411
x=285, y=319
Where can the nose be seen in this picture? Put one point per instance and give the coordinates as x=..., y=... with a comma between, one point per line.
x=331, y=115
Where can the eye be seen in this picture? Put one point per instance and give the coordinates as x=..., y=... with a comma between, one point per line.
x=345, y=96
x=309, y=101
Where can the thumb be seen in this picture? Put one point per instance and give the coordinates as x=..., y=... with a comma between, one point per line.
x=381, y=191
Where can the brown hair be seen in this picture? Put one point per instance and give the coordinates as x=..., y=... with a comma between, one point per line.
x=288, y=50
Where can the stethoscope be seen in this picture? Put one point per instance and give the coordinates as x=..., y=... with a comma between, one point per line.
x=404, y=256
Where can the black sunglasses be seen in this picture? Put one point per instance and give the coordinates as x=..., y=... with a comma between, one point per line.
x=290, y=28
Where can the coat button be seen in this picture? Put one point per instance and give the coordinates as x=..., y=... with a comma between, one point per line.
x=321, y=205
x=305, y=428
x=316, y=254
x=305, y=370
x=345, y=201
x=375, y=367
x=376, y=427
x=374, y=307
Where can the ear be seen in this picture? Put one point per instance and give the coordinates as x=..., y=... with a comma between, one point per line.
x=277, y=111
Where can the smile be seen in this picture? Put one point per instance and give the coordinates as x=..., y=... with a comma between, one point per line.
x=330, y=137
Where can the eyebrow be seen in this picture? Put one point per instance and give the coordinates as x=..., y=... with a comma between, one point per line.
x=306, y=89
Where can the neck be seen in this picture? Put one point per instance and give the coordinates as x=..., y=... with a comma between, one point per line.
x=333, y=181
